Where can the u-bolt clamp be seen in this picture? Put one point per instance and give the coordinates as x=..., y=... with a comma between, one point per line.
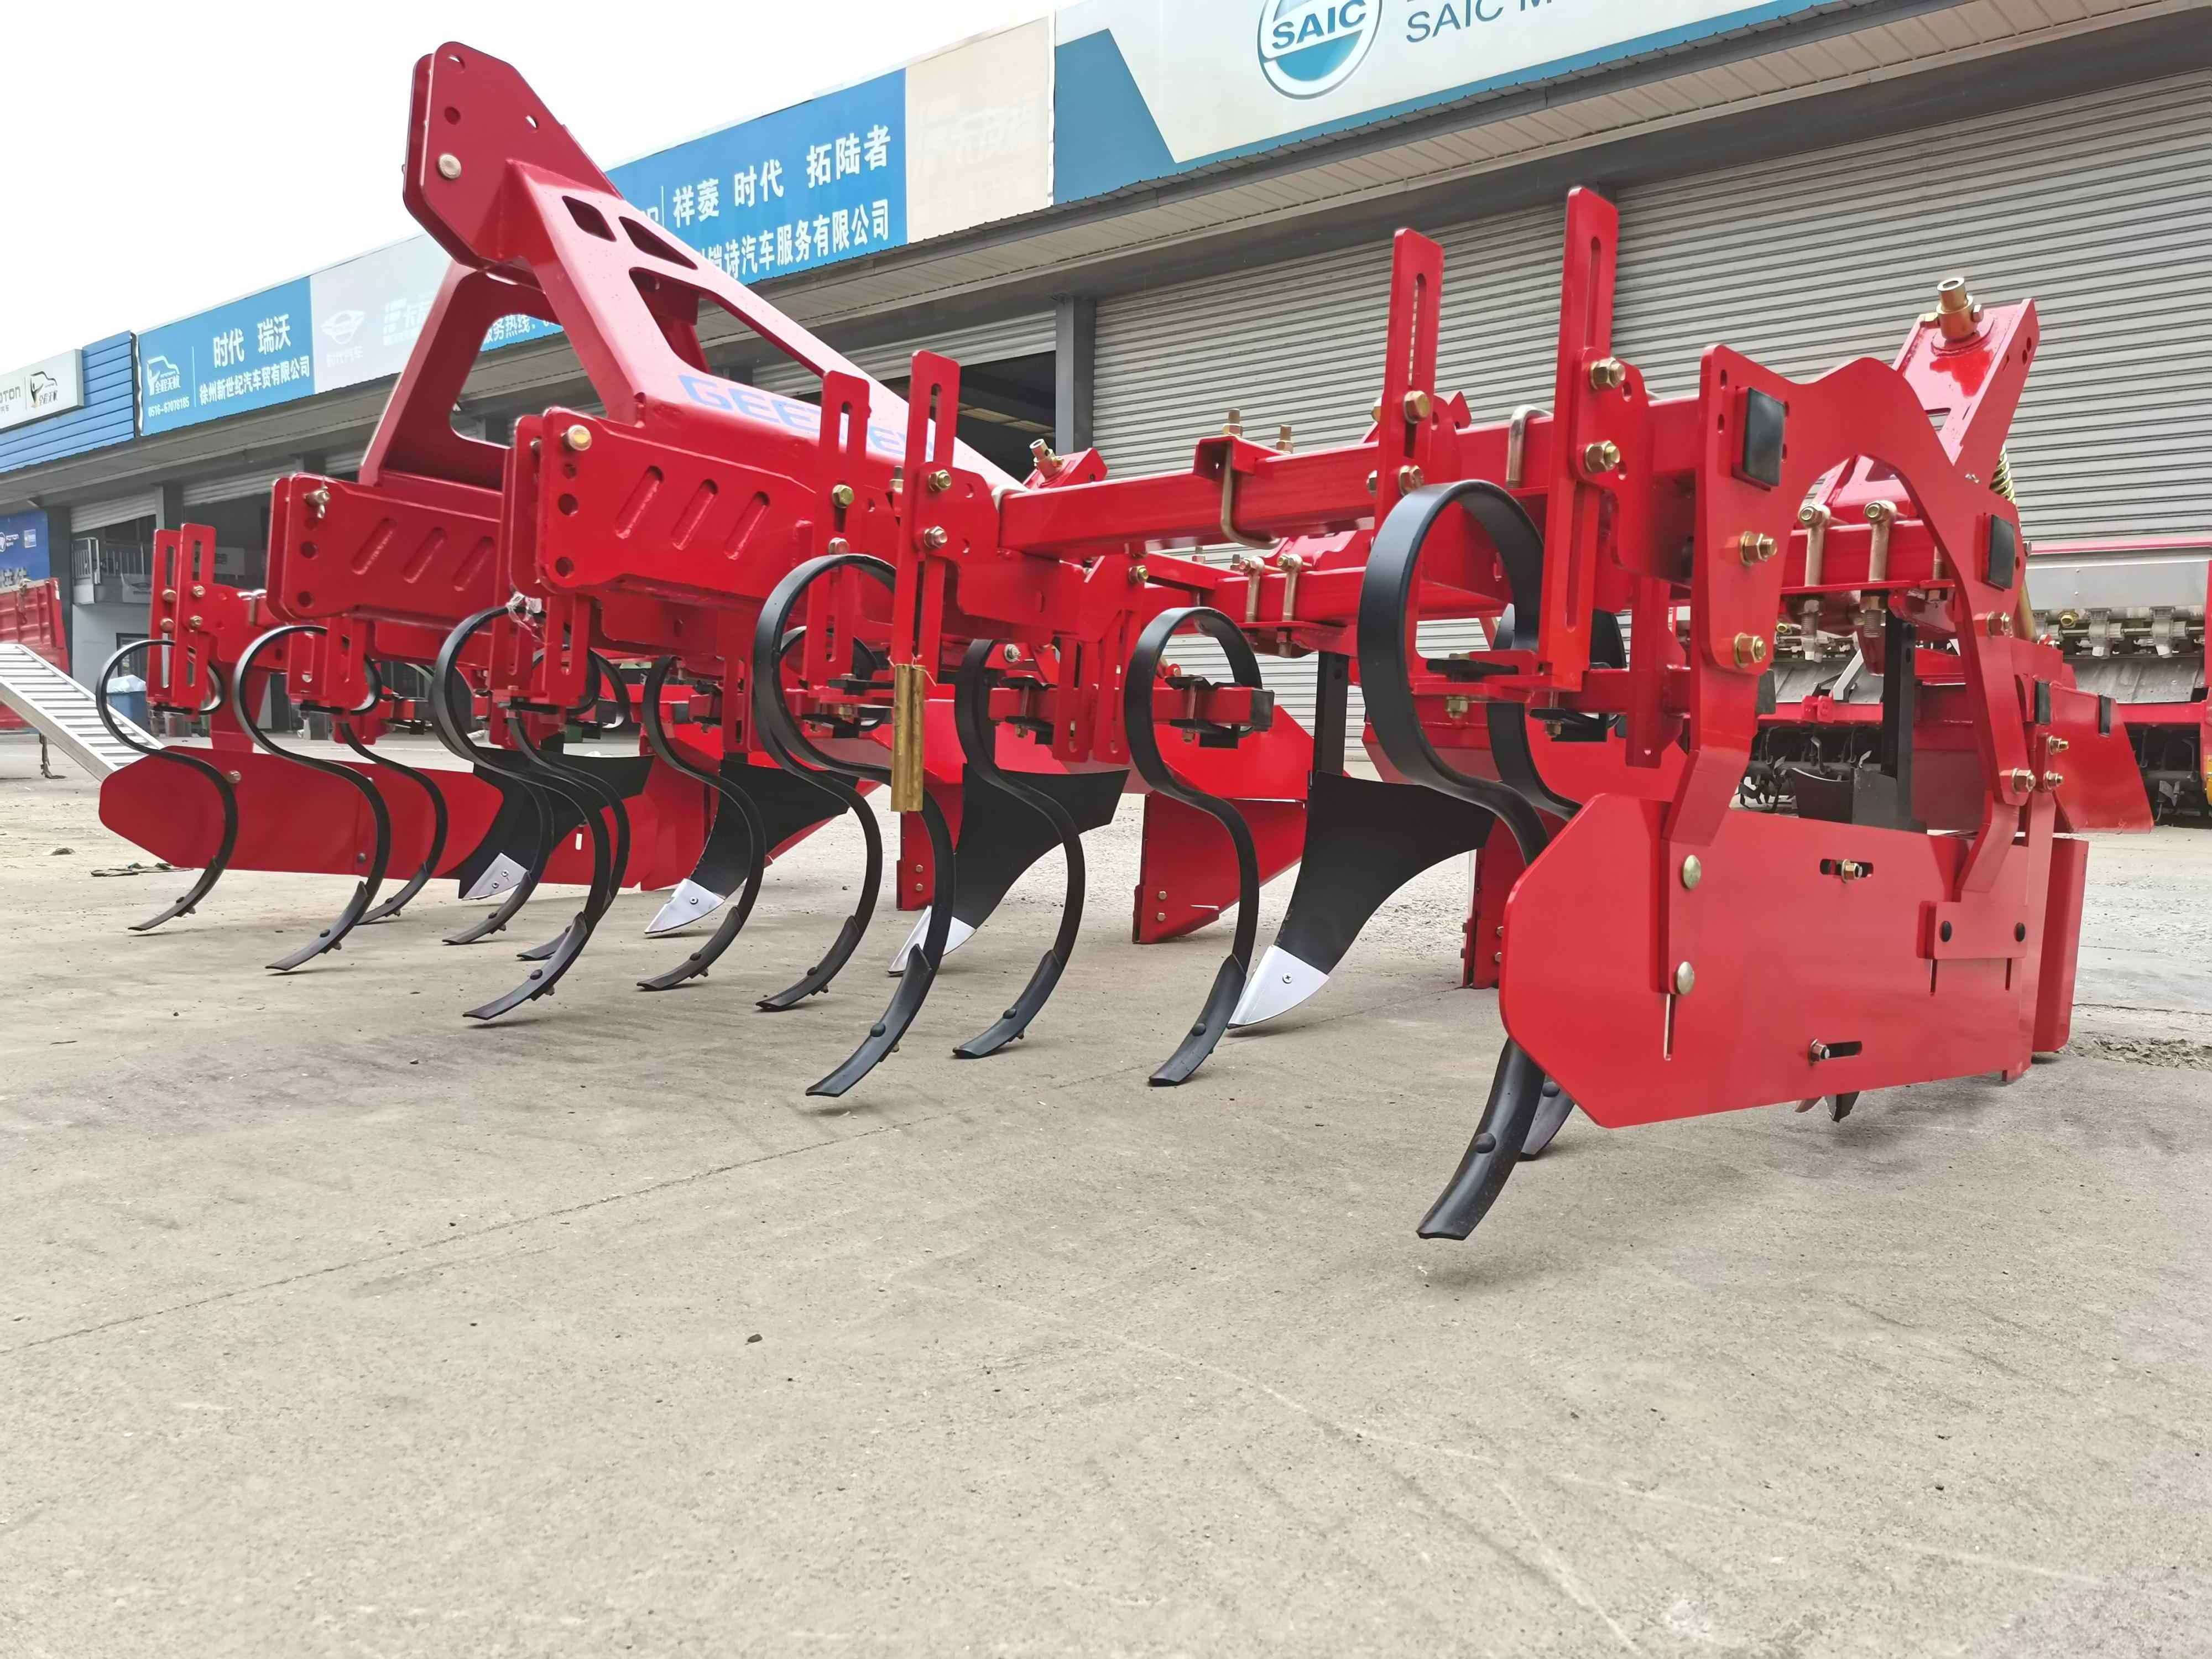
x=1230, y=532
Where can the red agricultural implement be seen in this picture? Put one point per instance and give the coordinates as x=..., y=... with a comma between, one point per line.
x=859, y=601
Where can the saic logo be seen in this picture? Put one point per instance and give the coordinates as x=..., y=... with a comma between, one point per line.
x=340, y=326
x=1307, y=47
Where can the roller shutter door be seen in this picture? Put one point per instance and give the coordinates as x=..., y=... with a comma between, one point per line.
x=238, y=485
x=1301, y=342
x=87, y=516
x=2099, y=207
x=988, y=342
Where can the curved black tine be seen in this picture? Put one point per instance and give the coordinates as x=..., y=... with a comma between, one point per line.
x=212, y=871
x=1384, y=631
x=1552, y=1116
x=1145, y=754
x=441, y=826
x=979, y=743
x=333, y=937
x=816, y=978
x=780, y=735
x=533, y=871
x=736, y=802
x=453, y=734
x=913, y=984
x=1516, y=1093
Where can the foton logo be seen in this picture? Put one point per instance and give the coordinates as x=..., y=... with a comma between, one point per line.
x=1307, y=47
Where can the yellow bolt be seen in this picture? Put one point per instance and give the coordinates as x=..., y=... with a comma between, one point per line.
x=1750, y=650
x=940, y=480
x=1139, y=575
x=1608, y=374
x=1756, y=548
x=842, y=496
x=577, y=438
x=1410, y=477
x=1417, y=405
x=1601, y=457
x=935, y=537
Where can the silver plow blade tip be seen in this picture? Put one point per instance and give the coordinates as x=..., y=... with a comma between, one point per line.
x=503, y=875
x=690, y=903
x=956, y=936
x=1281, y=984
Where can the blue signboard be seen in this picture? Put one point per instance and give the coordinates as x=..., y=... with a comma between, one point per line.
x=244, y=355
x=26, y=548
x=821, y=181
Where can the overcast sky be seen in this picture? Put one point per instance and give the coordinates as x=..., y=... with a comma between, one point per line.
x=161, y=159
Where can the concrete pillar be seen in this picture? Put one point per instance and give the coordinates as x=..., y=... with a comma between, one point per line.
x=1075, y=352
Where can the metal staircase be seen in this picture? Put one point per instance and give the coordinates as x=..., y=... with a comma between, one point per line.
x=62, y=712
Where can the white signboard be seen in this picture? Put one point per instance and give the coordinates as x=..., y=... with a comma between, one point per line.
x=41, y=389
x=979, y=132
x=367, y=311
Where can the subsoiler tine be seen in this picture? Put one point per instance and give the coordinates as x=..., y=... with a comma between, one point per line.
x=979, y=743
x=1364, y=839
x=212, y=871
x=364, y=894
x=441, y=822
x=1517, y=1093
x=743, y=817
x=1152, y=767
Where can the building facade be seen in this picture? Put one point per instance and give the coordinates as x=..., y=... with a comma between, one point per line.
x=1125, y=222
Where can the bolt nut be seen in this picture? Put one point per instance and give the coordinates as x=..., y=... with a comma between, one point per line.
x=2051, y=780
x=1410, y=477
x=842, y=496
x=1750, y=650
x=578, y=438
x=1608, y=374
x=1601, y=457
x=1139, y=575
x=1756, y=547
x=1234, y=426
x=1685, y=980
x=1012, y=653
x=168, y=596
x=449, y=166
x=1878, y=512
x=235, y=777
x=935, y=537
x=1159, y=915
x=1693, y=871
x=2022, y=779
x=1417, y=405
x=2055, y=746
x=838, y=545
x=1370, y=483
x=194, y=624
x=169, y=624
x=940, y=480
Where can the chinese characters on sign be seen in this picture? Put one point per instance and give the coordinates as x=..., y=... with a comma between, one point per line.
x=822, y=181
x=247, y=354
